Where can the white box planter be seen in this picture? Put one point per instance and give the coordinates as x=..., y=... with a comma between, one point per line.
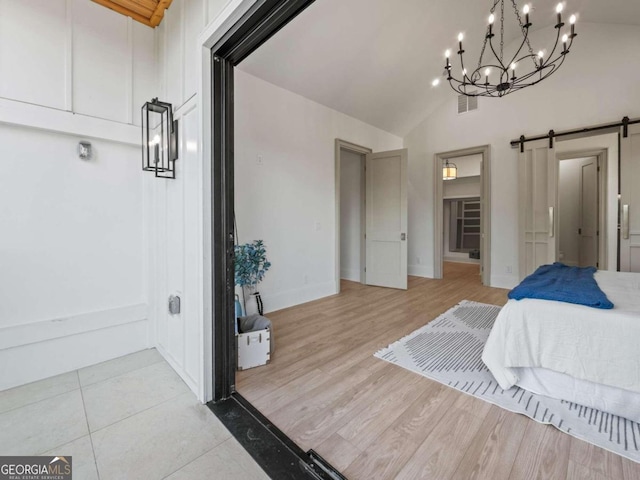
x=254, y=348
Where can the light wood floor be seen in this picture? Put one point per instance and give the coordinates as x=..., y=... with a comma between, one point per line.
x=374, y=420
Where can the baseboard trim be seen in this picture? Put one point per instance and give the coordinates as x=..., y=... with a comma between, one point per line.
x=504, y=281
x=35, y=332
x=36, y=361
x=290, y=298
x=461, y=260
x=419, y=271
x=348, y=274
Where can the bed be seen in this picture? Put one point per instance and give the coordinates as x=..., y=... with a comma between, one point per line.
x=572, y=352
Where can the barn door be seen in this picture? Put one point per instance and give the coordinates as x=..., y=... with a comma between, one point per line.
x=538, y=186
x=630, y=200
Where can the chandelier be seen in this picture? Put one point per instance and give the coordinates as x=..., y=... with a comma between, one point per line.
x=496, y=75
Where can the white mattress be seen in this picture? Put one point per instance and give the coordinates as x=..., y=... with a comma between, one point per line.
x=598, y=346
x=583, y=392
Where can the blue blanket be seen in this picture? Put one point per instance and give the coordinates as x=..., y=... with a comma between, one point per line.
x=564, y=284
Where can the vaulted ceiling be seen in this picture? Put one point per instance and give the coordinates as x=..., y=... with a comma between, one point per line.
x=149, y=12
x=375, y=59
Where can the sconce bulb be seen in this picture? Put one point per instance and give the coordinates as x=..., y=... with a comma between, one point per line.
x=436, y=82
x=460, y=37
x=525, y=9
x=559, y=8
x=492, y=18
x=572, y=19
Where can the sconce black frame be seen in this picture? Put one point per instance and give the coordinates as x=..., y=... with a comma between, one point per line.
x=165, y=148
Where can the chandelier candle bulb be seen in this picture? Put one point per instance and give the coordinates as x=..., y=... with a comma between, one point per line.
x=492, y=19
x=460, y=38
x=572, y=21
x=559, y=12
x=565, y=39
x=525, y=10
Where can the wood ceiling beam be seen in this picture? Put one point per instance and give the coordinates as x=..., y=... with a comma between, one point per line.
x=135, y=6
x=157, y=16
x=147, y=12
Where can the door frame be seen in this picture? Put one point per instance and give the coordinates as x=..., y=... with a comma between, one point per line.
x=244, y=26
x=485, y=202
x=602, y=155
x=358, y=149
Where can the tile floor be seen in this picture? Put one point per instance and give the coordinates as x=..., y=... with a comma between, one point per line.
x=128, y=418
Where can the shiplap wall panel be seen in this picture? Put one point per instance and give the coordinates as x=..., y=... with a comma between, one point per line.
x=193, y=25
x=101, y=62
x=193, y=237
x=174, y=53
x=33, y=38
x=145, y=84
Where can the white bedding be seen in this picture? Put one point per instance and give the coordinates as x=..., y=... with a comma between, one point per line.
x=600, y=346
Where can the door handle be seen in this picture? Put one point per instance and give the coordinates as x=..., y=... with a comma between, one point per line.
x=551, y=222
x=403, y=236
x=625, y=222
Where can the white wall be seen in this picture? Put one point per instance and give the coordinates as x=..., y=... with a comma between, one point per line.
x=73, y=286
x=350, y=214
x=581, y=93
x=569, y=210
x=288, y=200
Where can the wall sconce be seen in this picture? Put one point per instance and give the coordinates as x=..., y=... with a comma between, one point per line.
x=449, y=171
x=159, y=139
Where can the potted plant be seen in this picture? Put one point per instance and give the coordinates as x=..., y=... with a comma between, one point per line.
x=251, y=264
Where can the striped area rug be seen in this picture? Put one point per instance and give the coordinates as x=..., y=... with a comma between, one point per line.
x=449, y=350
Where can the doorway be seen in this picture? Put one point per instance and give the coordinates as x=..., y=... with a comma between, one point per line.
x=582, y=209
x=461, y=216
x=350, y=212
x=371, y=216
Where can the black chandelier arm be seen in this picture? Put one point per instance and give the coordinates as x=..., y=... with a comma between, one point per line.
x=462, y=64
x=502, y=67
x=515, y=59
x=555, y=45
x=524, y=29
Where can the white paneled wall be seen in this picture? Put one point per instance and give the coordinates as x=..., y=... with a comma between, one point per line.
x=35, y=68
x=105, y=89
x=76, y=56
x=73, y=246
x=176, y=228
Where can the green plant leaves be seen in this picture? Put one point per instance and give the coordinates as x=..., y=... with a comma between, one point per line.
x=251, y=263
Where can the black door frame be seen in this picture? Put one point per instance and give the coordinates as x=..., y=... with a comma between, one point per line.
x=256, y=26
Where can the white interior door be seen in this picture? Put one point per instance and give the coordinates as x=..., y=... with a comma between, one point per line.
x=630, y=200
x=386, y=219
x=538, y=191
x=588, y=231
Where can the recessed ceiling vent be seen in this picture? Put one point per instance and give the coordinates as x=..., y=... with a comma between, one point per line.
x=467, y=104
